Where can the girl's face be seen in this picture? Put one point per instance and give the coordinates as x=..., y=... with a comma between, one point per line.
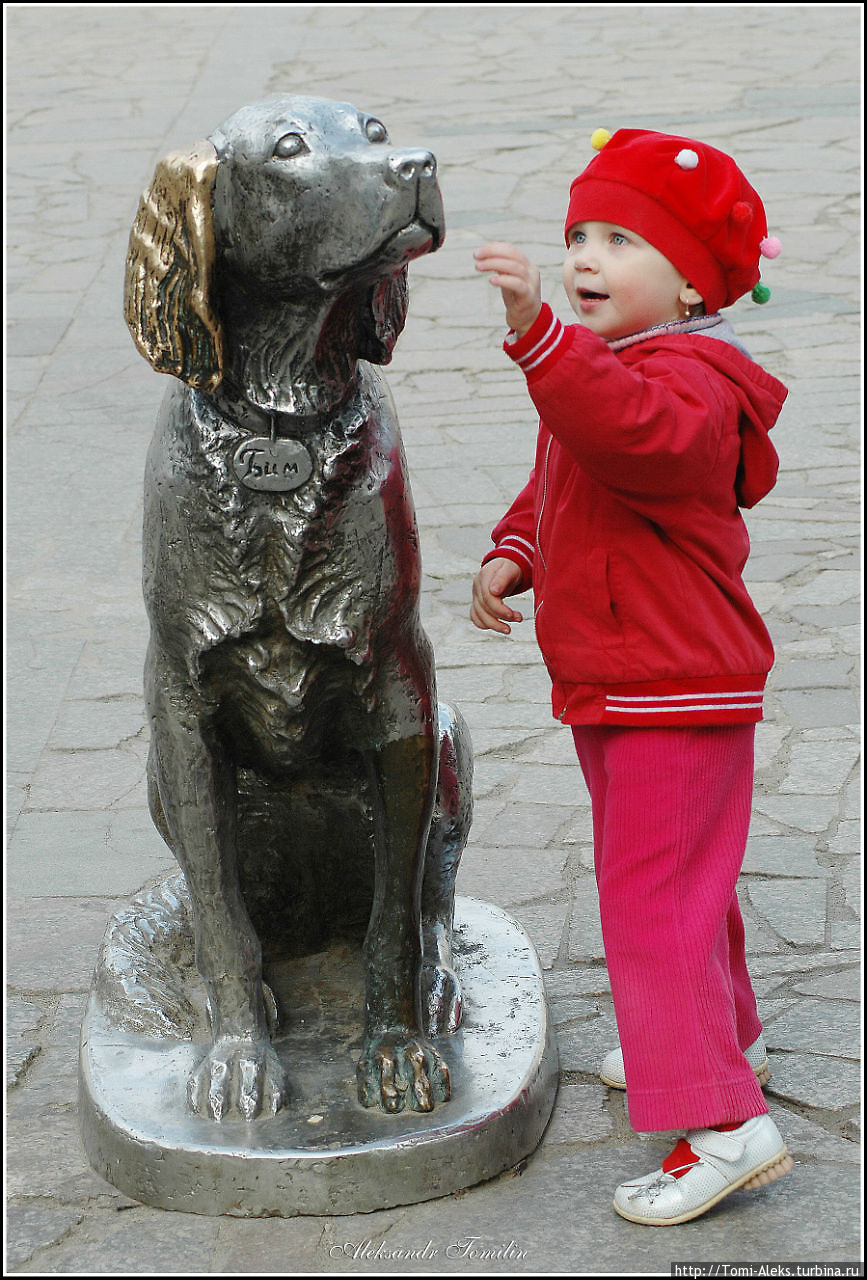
x=618, y=284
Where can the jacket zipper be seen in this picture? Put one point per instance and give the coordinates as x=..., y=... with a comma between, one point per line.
x=542, y=505
x=539, y=532
x=539, y=521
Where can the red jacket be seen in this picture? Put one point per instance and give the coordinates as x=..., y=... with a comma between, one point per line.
x=629, y=529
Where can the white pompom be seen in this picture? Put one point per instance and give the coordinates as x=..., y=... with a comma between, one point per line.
x=686, y=159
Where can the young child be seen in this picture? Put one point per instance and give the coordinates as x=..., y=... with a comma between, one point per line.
x=654, y=432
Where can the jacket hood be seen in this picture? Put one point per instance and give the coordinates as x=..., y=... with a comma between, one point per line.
x=761, y=397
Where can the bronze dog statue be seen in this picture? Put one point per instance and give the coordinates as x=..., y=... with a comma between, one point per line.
x=301, y=770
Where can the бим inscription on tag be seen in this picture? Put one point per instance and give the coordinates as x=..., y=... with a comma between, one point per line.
x=277, y=465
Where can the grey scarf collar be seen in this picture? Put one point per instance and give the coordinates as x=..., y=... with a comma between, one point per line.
x=712, y=326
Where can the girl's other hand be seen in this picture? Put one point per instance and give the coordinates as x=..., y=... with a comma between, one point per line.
x=489, y=612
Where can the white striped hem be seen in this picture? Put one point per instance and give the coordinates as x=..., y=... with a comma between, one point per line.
x=682, y=697
x=657, y=709
x=678, y=703
x=684, y=707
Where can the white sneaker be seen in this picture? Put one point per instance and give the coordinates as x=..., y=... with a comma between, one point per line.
x=702, y=1169
x=613, y=1074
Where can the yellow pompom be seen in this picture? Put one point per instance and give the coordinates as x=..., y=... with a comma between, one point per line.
x=598, y=139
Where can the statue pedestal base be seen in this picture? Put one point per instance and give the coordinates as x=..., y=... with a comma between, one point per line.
x=323, y=1153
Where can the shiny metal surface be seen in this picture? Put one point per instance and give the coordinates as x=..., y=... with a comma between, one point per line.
x=281, y=577
x=323, y=1154
x=272, y=1030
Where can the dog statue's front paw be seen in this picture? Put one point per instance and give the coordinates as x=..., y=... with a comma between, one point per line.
x=401, y=1073
x=441, y=999
x=238, y=1076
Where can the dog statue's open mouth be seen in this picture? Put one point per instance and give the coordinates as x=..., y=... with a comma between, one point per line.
x=412, y=241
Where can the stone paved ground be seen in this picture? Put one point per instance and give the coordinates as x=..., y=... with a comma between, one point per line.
x=507, y=98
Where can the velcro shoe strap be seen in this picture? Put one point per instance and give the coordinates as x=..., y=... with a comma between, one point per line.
x=710, y=1142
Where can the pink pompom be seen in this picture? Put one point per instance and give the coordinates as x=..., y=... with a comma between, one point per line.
x=770, y=247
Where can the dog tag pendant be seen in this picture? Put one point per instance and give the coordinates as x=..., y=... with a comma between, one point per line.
x=272, y=464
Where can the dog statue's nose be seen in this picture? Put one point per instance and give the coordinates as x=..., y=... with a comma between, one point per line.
x=409, y=166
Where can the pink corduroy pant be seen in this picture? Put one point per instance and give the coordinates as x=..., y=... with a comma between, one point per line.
x=671, y=812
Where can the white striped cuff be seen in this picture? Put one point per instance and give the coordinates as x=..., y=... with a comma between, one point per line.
x=545, y=347
x=518, y=546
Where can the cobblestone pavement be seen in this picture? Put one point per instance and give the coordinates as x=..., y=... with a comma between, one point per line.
x=507, y=98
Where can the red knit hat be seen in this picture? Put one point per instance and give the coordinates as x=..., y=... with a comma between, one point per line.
x=690, y=201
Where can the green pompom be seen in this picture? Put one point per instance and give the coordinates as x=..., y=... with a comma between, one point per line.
x=761, y=293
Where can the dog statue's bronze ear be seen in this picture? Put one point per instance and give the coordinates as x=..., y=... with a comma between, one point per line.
x=168, y=271
x=382, y=318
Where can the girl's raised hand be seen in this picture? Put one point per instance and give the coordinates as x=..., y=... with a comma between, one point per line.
x=518, y=280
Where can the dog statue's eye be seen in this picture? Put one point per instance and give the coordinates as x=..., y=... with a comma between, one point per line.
x=291, y=144
x=376, y=131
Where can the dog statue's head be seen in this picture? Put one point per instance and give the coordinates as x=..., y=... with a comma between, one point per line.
x=277, y=250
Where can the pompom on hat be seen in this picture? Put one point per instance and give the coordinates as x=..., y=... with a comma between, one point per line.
x=690, y=201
